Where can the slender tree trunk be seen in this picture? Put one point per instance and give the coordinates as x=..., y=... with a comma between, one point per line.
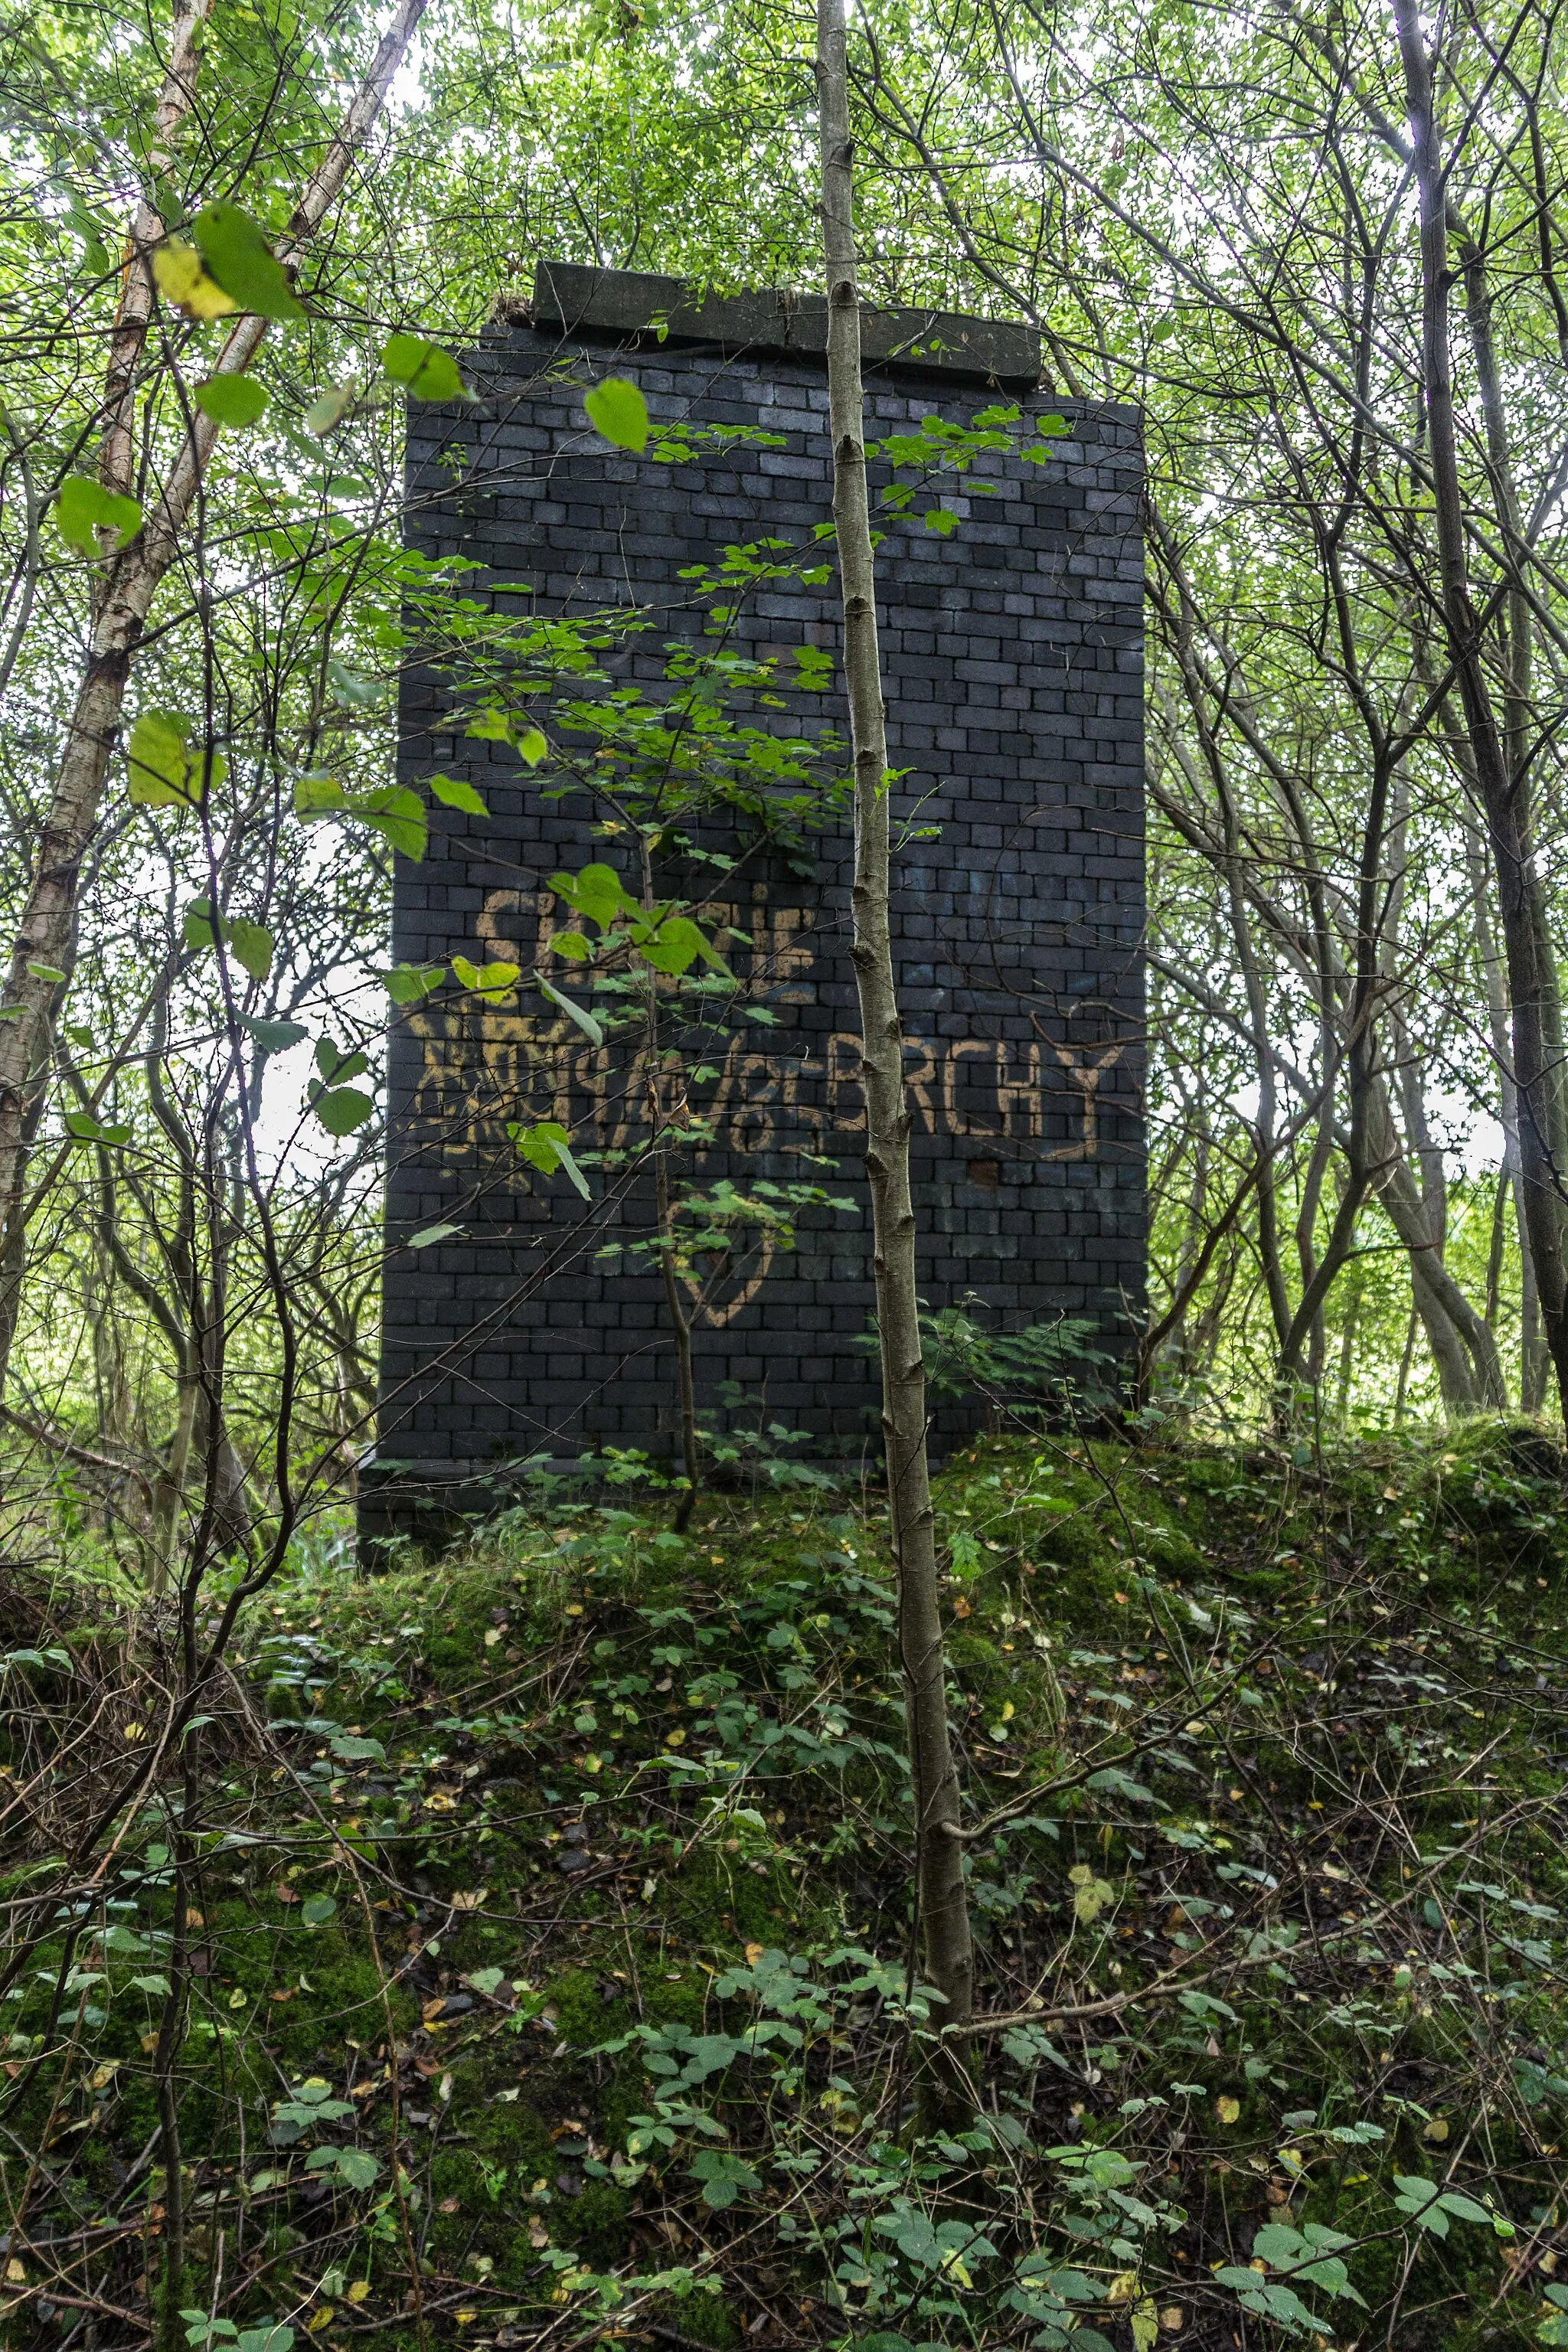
x=48, y=927
x=942, y=1904
x=1534, y=990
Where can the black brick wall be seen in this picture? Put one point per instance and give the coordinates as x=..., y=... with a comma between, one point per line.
x=1013, y=655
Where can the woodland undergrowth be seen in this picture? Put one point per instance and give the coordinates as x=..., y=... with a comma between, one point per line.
x=544, y=1973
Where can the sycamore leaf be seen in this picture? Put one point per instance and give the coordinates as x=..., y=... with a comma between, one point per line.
x=617, y=410
x=454, y=794
x=181, y=279
x=233, y=399
x=573, y=1012
x=243, y=265
x=423, y=370
x=84, y=507
x=547, y=1147
x=942, y=520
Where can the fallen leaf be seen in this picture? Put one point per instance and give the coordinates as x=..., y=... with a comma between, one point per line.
x=1228, y=2109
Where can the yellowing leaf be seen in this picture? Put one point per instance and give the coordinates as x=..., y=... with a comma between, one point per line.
x=322, y=2318
x=182, y=281
x=676, y=1738
x=1436, y=2130
x=1090, y=1895
x=1144, y=2321
x=1228, y=2109
x=358, y=2290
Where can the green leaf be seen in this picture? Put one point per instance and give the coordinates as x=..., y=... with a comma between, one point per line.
x=547, y=1147
x=253, y=946
x=675, y=946
x=942, y=520
x=452, y=792
x=430, y=1234
x=410, y=983
x=617, y=410
x=52, y=973
x=597, y=892
x=531, y=745
x=318, y=1911
x=319, y=795
x=573, y=1012
x=394, y=812
x=237, y=255
x=354, y=692
x=357, y=2166
x=486, y=1980
x=273, y=1036
x=423, y=370
x=391, y=810
x=232, y=400
x=83, y=508
x=201, y=928
x=327, y=408
x=350, y=1749
x=336, y=1066
x=158, y=1986
x=84, y=1128
x=494, y=981
x=165, y=771
x=489, y=727
x=342, y=1110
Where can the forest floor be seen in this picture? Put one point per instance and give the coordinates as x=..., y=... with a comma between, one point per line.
x=547, y=1973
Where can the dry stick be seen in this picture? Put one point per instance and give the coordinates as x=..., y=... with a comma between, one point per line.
x=48, y=919
x=941, y=1901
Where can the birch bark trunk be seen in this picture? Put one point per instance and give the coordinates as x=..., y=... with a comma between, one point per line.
x=46, y=933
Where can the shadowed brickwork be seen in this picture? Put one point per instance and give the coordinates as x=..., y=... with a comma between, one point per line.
x=1013, y=654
